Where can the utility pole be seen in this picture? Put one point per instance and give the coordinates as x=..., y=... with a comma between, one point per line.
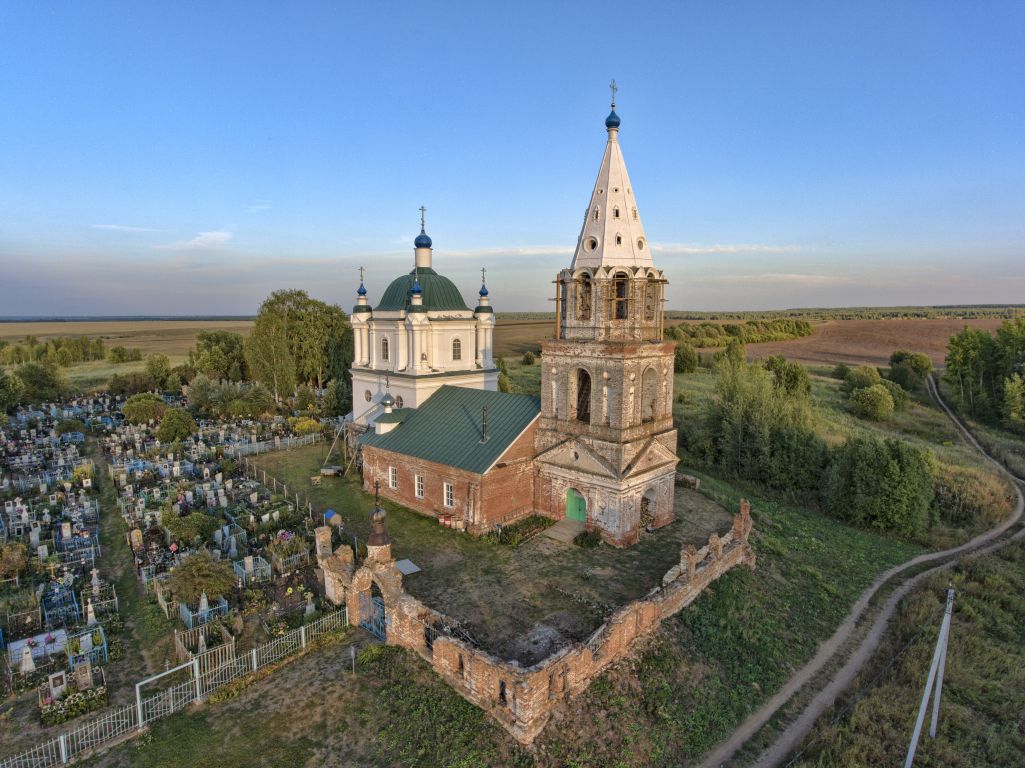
x=939, y=658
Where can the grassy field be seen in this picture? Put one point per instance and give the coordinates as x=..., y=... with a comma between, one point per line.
x=984, y=681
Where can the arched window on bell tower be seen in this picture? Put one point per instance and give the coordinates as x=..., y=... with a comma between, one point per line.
x=457, y=349
x=583, y=410
x=621, y=297
x=584, y=293
x=384, y=349
x=651, y=299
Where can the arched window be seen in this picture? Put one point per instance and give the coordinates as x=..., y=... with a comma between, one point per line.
x=619, y=239
x=621, y=297
x=384, y=349
x=457, y=349
x=584, y=290
x=651, y=299
x=649, y=395
x=635, y=214
x=583, y=396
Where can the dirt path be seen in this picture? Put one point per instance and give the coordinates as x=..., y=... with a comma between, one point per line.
x=788, y=740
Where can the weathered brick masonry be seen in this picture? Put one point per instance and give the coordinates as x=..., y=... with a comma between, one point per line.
x=522, y=698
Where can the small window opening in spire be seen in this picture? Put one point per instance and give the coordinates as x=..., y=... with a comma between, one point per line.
x=619, y=239
x=635, y=214
x=596, y=213
x=615, y=212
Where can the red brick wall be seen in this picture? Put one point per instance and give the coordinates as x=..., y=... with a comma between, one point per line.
x=504, y=494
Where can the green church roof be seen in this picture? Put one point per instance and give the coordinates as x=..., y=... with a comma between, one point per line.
x=446, y=429
x=439, y=293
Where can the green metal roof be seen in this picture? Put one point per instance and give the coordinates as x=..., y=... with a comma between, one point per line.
x=447, y=428
x=439, y=293
x=397, y=416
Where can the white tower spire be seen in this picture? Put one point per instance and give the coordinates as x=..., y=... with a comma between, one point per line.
x=612, y=234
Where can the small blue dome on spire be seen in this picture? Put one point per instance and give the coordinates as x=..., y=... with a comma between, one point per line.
x=362, y=290
x=483, y=290
x=416, y=287
x=422, y=240
x=612, y=121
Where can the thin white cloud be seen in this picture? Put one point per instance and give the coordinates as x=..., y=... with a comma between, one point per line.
x=259, y=206
x=690, y=249
x=203, y=241
x=123, y=228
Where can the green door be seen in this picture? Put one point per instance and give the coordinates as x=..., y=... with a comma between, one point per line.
x=576, y=506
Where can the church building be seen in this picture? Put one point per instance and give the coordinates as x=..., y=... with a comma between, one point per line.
x=599, y=445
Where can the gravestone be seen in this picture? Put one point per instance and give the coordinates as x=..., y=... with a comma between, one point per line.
x=136, y=539
x=84, y=675
x=247, y=564
x=86, y=643
x=65, y=530
x=90, y=613
x=33, y=537
x=28, y=664
x=42, y=552
x=96, y=581
x=57, y=682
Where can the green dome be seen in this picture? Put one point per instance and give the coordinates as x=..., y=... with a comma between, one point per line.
x=439, y=293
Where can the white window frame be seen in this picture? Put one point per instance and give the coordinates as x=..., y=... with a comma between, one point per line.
x=450, y=494
x=393, y=477
x=419, y=486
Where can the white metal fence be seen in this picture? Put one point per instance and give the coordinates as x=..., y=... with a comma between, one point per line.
x=277, y=444
x=120, y=721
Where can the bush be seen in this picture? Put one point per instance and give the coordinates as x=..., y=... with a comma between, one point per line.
x=528, y=358
x=187, y=528
x=70, y=425
x=305, y=401
x=861, y=377
x=587, y=539
x=304, y=425
x=898, y=393
x=144, y=407
x=969, y=497
x=13, y=559
x=200, y=573
x=790, y=377
x=685, y=359
x=516, y=533
x=40, y=382
x=874, y=402
x=130, y=384
x=841, y=370
x=177, y=424
x=504, y=385
x=885, y=484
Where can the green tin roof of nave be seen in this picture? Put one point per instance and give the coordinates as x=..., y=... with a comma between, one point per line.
x=439, y=293
x=446, y=428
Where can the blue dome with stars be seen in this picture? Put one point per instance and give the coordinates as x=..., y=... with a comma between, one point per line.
x=422, y=240
x=612, y=121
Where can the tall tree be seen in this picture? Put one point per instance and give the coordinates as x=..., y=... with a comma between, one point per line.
x=267, y=352
x=220, y=355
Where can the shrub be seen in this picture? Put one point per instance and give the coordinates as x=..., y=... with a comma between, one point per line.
x=40, y=382
x=898, y=393
x=13, y=559
x=504, y=385
x=305, y=400
x=200, y=573
x=841, y=370
x=72, y=705
x=176, y=424
x=528, y=358
x=789, y=376
x=187, y=528
x=861, y=377
x=969, y=497
x=587, y=539
x=144, y=407
x=874, y=402
x=886, y=484
x=130, y=383
x=685, y=359
x=304, y=425
x=917, y=362
x=70, y=425
x=516, y=533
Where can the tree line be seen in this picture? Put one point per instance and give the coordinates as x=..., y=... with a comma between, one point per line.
x=986, y=373
x=709, y=334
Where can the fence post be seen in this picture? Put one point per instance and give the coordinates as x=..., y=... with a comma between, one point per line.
x=64, y=747
x=302, y=635
x=195, y=673
x=254, y=659
x=138, y=705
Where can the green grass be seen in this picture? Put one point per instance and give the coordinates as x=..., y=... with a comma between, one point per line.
x=983, y=687
x=95, y=375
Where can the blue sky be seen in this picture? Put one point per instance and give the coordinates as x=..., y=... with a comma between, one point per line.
x=191, y=157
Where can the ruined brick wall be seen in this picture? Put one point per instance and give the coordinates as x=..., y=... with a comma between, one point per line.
x=522, y=699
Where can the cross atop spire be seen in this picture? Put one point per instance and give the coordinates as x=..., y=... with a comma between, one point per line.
x=482, y=272
x=361, y=275
x=422, y=212
x=613, y=87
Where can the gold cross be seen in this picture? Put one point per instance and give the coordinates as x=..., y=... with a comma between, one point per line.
x=613, y=88
x=422, y=212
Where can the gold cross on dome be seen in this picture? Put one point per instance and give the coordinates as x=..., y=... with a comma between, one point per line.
x=422, y=212
x=613, y=87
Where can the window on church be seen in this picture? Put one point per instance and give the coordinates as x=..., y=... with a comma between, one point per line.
x=583, y=396
x=584, y=292
x=596, y=213
x=619, y=239
x=384, y=349
x=368, y=395
x=450, y=495
x=615, y=213
x=419, y=483
x=621, y=297
x=393, y=477
x=398, y=401
x=457, y=349
x=635, y=214
x=651, y=299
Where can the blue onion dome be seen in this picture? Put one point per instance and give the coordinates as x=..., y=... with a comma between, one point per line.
x=387, y=400
x=612, y=121
x=483, y=290
x=362, y=290
x=416, y=288
x=422, y=240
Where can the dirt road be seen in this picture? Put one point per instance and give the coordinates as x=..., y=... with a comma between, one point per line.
x=787, y=741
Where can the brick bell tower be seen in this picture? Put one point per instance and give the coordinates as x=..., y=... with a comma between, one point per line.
x=605, y=441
